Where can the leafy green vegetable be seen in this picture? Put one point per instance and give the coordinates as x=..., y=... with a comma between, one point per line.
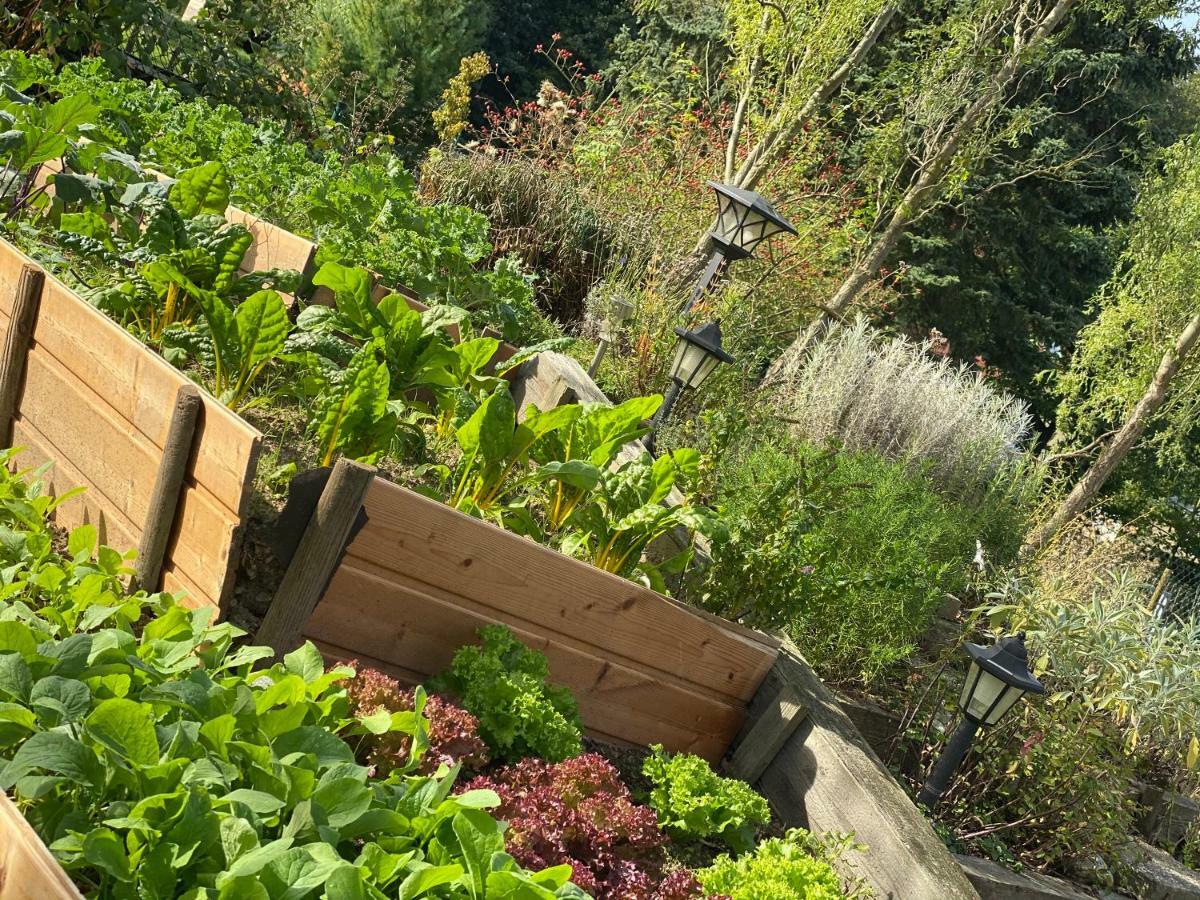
x=504, y=685
x=694, y=802
x=168, y=763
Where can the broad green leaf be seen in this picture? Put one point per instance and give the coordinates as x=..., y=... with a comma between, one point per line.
x=82, y=540
x=16, y=680
x=288, y=689
x=327, y=747
x=104, y=850
x=16, y=722
x=262, y=328
x=256, y=801
x=67, y=114
x=39, y=145
x=421, y=882
x=305, y=661
x=127, y=728
x=72, y=698
x=201, y=189
x=56, y=752
x=254, y=860
x=479, y=836
x=344, y=800
x=352, y=293
x=489, y=431
x=17, y=637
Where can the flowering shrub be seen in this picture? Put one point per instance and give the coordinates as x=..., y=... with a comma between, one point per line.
x=503, y=683
x=453, y=732
x=780, y=869
x=693, y=801
x=579, y=813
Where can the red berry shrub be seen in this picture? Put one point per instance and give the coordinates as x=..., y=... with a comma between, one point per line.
x=453, y=732
x=579, y=812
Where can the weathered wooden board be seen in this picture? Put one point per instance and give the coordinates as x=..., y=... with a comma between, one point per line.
x=826, y=778
x=28, y=871
x=273, y=247
x=97, y=404
x=420, y=578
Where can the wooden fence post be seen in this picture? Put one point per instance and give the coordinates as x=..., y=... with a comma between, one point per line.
x=16, y=345
x=316, y=556
x=168, y=488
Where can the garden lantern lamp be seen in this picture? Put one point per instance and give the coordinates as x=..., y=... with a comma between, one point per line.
x=610, y=329
x=999, y=676
x=697, y=354
x=744, y=220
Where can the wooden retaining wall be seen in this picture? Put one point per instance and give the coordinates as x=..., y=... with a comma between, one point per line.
x=420, y=578
x=97, y=404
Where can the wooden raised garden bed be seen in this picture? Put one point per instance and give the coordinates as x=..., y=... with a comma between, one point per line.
x=98, y=404
x=419, y=579
x=28, y=870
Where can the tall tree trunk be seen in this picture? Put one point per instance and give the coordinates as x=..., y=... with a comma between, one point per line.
x=1084, y=493
x=919, y=195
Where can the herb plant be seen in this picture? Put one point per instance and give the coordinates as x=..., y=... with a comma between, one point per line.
x=693, y=802
x=504, y=685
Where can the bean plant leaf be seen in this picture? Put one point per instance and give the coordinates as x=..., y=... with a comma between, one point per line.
x=16, y=680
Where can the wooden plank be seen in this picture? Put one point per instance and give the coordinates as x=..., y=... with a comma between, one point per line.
x=273, y=247
x=168, y=485
x=424, y=539
x=28, y=871
x=121, y=464
x=770, y=731
x=316, y=557
x=420, y=631
x=140, y=386
x=17, y=337
x=113, y=529
x=827, y=778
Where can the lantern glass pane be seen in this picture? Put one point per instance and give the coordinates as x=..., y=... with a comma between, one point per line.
x=707, y=366
x=689, y=358
x=985, y=698
x=727, y=225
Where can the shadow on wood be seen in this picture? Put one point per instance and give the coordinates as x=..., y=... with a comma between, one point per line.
x=826, y=778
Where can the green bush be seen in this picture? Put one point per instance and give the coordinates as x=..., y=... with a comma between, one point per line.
x=503, y=684
x=849, y=553
x=693, y=801
x=792, y=868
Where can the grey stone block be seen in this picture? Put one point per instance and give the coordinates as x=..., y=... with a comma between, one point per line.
x=1156, y=875
x=995, y=882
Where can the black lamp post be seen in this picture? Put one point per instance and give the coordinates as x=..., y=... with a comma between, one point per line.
x=999, y=676
x=697, y=353
x=744, y=220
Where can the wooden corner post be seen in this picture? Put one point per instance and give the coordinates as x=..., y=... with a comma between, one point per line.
x=21, y=322
x=168, y=489
x=316, y=557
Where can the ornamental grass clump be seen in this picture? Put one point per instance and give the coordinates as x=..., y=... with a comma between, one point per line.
x=579, y=813
x=893, y=398
x=694, y=802
x=453, y=737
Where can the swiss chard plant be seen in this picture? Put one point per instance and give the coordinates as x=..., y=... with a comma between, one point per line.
x=626, y=512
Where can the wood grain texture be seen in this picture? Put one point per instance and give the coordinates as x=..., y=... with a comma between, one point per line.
x=168, y=484
x=316, y=556
x=17, y=337
x=28, y=871
x=273, y=247
x=420, y=578
x=767, y=735
x=98, y=405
